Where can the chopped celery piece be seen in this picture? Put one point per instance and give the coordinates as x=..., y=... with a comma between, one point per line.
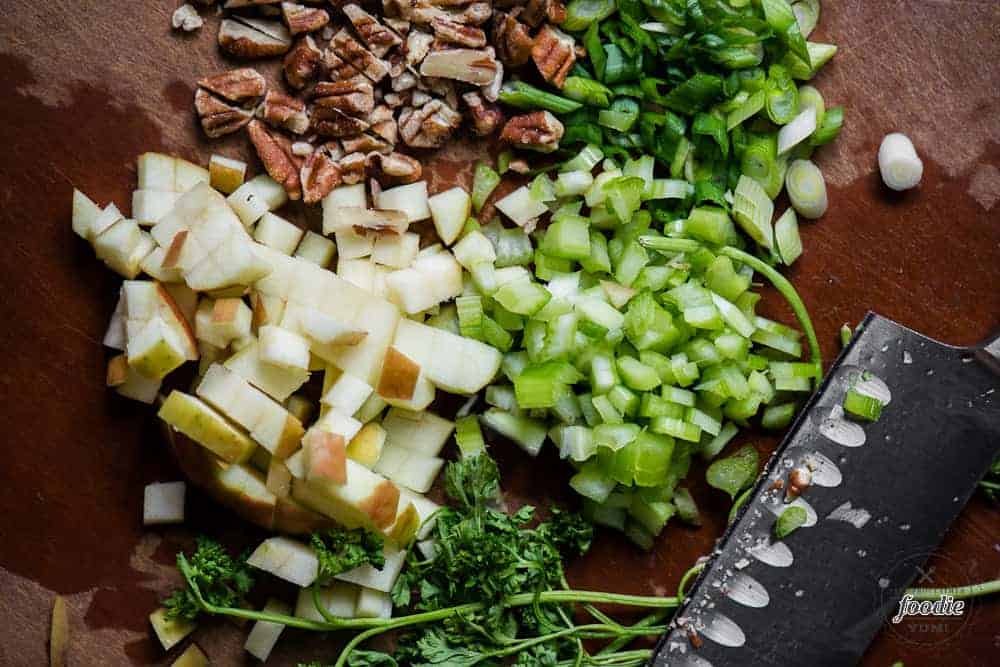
x=652, y=516
x=599, y=312
x=540, y=386
x=678, y=395
x=576, y=443
x=542, y=189
x=791, y=369
x=677, y=428
x=470, y=316
x=604, y=515
x=592, y=482
x=685, y=371
x=585, y=160
x=845, y=335
x=687, y=510
x=597, y=193
x=637, y=375
x=722, y=279
x=705, y=421
x=469, y=436
x=761, y=386
x=639, y=535
x=624, y=196
x=590, y=414
x=776, y=417
x=513, y=363
x=733, y=316
x=502, y=396
x=658, y=362
x=625, y=402
x=652, y=406
x=495, y=335
x=786, y=237
x=522, y=297
x=734, y=473
x=567, y=409
x=513, y=247
x=528, y=433
x=669, y=188
x=753, y=210
x=776, y=341
x=633, y=259
x=710, y=223
x=598, y=261
x=793, y=384
x=568, y=238
x=615, y=436
x=506, y=319
x=712, y=448
x=573, y=183
x=608, y=413
x=484, y=182
x=548, y=267
x=862, y=405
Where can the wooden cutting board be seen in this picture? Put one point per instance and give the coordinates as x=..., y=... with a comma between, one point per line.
x=88, y=86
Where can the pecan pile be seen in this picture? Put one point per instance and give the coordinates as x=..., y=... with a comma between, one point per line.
x=364, y=79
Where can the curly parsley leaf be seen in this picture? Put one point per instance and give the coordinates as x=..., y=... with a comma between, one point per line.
x=339, y=550
x=472, y=481
x=222, y=580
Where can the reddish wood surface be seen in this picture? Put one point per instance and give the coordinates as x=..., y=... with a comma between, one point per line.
x=90, y=85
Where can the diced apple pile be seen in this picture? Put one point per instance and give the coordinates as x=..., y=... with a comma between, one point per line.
x=248, y=295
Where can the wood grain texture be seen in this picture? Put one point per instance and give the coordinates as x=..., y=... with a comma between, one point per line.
x=89, y=85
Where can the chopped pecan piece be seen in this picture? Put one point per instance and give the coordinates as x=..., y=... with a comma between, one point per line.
x=486, y=118
x=384, y=124
x=365, y=143
x=453, y=32
x=511, y=39
x=302, y=62
x=352, y=168
x=397, y=63
x=553, y=54
x=337, y=69
x=186, y=18
x=376, y=36
x=396, y=100
x=302, y=149
x=491, y=91
x=420, y=98
x=300, y=18
x=394, y=168
x=401, y=26
x=319, y=175
x=473, y=66
x=418, y=45
x=476, y=13
x=236, y=85
x=443, y=88
x=537, y=12
x=332, y=122
x=538, y=131
x=253, y=38
x=219, y=117
x=275, y=151
x=519, y=166
x=428, y=126
x=350, y=50
x=284, y=111
x=353, y=96
x=405, y=81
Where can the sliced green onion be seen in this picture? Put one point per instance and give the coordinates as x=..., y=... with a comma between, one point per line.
x=621, y=116
x=495, y=335
x=751, y=107
x=687, y=510
x=846, y=334
x=753, y=210
x=503, y=161
x=587, y=91
x=798, y=130
x=809, y=97
x=786, y=237
x=484, y=182
x=828, y=130
x=525, y=96
x=806, y=189
x=806, y=15
x=819, y=55
x=582, y=13
x=782, y=97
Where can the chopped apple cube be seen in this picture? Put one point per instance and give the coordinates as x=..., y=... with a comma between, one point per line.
x=195, y=419
x=408, y=468
x=279, y=383
x=373, y=604
x=296, y=464
x=279, y=478
x=425, y=509
x=148, y=206
x=473, y=249
x=85, y=213
x=411, y=199
x=156, y=172
x=396, y=250
x=222, y=321
x=371, y=410
x=337, y=422
x=143, y=300
x=300, y=406
x=379, y=580
x=266, y=309
x=153, y=266
x=115, y=337
x=325, y=456
x=122, y=247
x=344, y=196
x=422, y=432
x=347, y=394
x=155, y=350
x=367, y=500
x=450, y=209
x=163, y=503
x=186, y=300
x=431, y=280
x=169, y=631
x=521, y=207
x=366, y=446
x=453, y=363
x=276, y=232
x=256, y=197
x=352, y=245
x=267, y=422
x=284, y=348
x=128, y=383
x=399, y=376
x=338, y=599
x=108, y=216
x=316, y=249
x=261, y=460
x=360, y=272
x=249, y=486
x=321, y=327
x=226, y=174
x=235, y=263
x=264, y=634
x=187, y=175
x=286, y=559
x=191, y=657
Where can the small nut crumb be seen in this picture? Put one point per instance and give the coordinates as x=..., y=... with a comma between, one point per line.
x=302, y=148
x=186, y=18
x=798, y=481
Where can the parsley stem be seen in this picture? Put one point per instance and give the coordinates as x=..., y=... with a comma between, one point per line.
x=990, y=485
x=957, y=592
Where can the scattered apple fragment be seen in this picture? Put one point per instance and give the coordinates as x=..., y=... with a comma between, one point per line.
x=163, y=503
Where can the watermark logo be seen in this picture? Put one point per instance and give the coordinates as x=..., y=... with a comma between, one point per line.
x=919, y=619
